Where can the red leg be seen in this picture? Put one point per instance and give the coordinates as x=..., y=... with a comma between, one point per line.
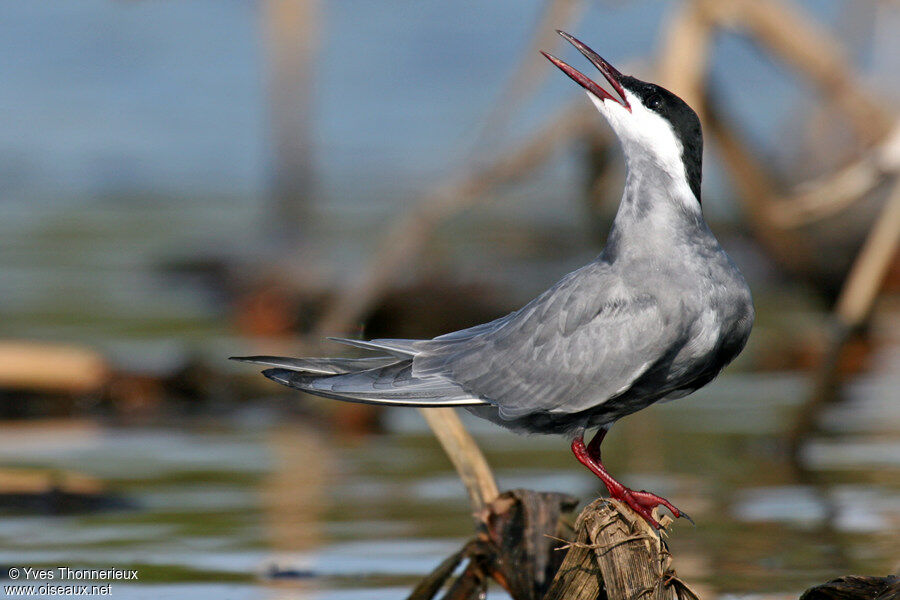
x=593, y=447
x=641, y=502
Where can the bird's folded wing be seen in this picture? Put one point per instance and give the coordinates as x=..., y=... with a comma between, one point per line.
x=583, y=341
x=391, y=384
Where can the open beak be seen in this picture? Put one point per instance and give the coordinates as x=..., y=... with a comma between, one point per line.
x=609, y=72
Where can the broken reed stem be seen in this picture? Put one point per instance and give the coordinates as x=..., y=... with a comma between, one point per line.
x=788, y=33
x=871, y=265
x=617, y=551
x=465, y=455
x=854, y=305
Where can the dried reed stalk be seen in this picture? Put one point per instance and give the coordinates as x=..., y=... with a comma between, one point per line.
x=618, y=553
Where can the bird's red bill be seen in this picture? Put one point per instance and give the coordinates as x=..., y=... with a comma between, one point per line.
x=609, y=72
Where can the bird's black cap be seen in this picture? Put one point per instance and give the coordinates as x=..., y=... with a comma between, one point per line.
x=684, y=121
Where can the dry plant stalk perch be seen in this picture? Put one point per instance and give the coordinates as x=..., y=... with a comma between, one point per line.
x=518, y=540
x=619, y=556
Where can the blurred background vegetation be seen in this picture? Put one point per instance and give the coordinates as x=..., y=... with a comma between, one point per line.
x=184, y=181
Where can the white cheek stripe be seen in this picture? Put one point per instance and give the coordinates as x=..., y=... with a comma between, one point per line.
x=647, y=137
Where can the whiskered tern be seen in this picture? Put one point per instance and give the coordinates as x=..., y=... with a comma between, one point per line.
x=655, y=316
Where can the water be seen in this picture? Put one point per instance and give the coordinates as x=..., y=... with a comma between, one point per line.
x=136, y=137
x=217, y=509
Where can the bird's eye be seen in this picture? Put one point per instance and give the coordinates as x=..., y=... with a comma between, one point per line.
x=654, y=101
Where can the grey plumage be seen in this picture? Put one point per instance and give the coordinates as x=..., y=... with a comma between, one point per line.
x=657, y=315
x=634, y=326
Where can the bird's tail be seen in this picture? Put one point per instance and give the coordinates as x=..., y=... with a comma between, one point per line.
x=373, y=380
